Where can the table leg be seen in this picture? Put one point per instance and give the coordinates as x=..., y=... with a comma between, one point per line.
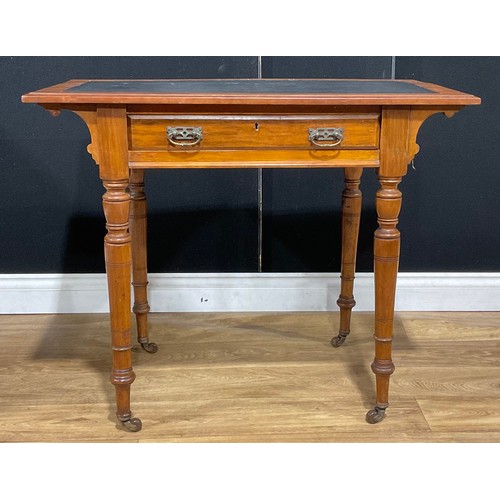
x=117, y=251
x=138, y=231
x=386, y=260
x=351, y=212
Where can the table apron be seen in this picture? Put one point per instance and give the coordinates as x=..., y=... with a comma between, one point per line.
x=256, y=158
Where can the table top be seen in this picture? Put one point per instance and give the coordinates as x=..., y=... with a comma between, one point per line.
x=250, y=91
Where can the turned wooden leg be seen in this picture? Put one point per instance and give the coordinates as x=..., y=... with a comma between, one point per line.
x=386, y=260
x=138, y=231
x=117, y=251
x=351, y=212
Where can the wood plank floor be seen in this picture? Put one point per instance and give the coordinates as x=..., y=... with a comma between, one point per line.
x=247, y=377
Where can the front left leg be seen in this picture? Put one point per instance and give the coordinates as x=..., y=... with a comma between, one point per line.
x=386, y=257
x=117, y=251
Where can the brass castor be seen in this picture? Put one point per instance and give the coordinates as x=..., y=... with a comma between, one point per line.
x=150, y=347
x=376, y=415
x=132, y=424
x=338, y=340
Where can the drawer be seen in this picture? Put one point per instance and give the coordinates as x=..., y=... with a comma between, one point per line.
x=230, y=132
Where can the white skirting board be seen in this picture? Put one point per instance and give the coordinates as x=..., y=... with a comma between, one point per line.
x=247, y=292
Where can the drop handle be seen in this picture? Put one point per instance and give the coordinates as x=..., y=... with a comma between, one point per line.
x=326, y=137
x=184, y=136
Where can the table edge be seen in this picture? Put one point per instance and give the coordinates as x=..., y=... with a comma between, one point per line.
x=57, y=94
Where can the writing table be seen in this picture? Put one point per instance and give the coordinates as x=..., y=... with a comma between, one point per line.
x=255, y=123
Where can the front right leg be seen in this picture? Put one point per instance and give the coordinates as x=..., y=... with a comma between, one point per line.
x=386, y=260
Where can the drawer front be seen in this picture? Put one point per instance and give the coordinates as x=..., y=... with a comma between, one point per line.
x=224, y=132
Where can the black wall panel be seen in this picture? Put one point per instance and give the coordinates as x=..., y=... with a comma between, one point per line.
x=301, y=225
x=451, y=204
x=51, y=220
x=326, y=67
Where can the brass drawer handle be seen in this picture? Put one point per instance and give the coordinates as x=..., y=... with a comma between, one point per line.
x=184, y=136
x=323, y=137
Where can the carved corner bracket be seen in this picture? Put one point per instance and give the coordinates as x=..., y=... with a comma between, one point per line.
x=417, y=118
x=89, y=117
x=53, y=110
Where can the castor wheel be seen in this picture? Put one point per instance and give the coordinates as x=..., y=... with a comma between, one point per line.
x=376, y=415
x=338, y=340
x=150, y=347
x=132, y=424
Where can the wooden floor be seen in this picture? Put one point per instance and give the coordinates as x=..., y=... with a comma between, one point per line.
x=246, y=377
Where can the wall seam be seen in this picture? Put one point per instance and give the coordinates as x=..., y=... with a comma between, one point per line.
x=259, y=191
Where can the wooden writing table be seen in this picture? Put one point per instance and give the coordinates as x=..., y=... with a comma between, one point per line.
x=350, y=124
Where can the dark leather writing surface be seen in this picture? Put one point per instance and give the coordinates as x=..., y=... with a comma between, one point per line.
x=251, y=87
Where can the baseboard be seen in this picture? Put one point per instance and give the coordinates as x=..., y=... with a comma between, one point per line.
x=87, y=293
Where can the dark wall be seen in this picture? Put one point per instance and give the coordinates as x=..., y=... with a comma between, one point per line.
x=302, y=207
x=51, y=194
x=451, y=207
x=208, y=220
